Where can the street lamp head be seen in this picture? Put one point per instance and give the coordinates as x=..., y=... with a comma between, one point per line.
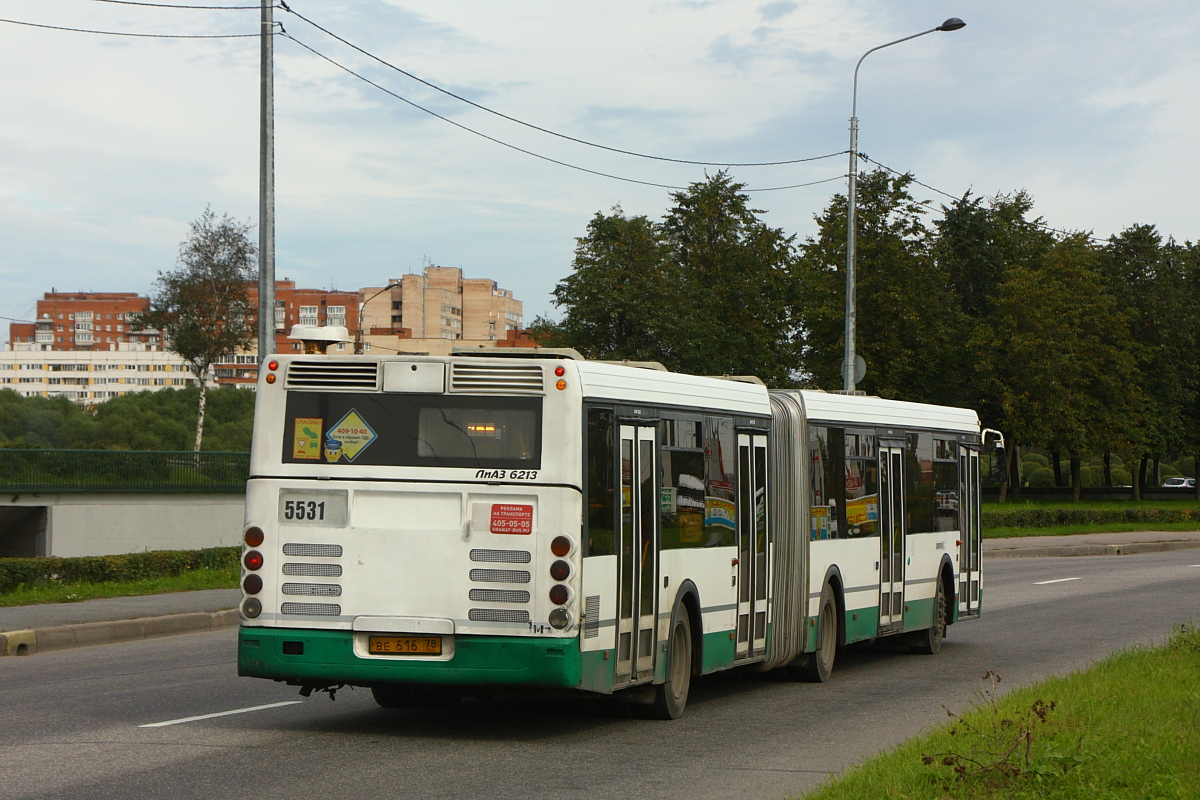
x=952, y=24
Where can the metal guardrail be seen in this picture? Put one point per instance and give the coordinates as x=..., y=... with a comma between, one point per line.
x=122, y=471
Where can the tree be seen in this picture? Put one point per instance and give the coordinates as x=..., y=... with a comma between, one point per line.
x=908, y=316
x=705, y=291
x=202, y=307
x=1058, y=355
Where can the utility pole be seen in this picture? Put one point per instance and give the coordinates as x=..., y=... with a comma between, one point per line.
x=266, y=188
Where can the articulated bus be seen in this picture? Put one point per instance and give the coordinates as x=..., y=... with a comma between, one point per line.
x=440, y=527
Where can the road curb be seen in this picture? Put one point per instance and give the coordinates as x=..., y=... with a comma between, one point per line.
x=85, y=634
x=1088, y=549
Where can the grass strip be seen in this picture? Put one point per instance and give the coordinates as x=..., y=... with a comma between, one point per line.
x=1128, y=727
x=193, y=580
x=1006, y=532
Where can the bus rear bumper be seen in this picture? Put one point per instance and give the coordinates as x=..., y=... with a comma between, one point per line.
x=328, y=657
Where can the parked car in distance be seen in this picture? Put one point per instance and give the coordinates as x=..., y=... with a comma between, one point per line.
x=1179, y=483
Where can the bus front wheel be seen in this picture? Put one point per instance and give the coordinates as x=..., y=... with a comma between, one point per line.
x=929, y=641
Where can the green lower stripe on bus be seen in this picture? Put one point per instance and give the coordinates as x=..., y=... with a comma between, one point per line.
x=328, y=656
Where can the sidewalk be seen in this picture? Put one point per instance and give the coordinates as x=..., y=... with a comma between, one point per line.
x=25, y=630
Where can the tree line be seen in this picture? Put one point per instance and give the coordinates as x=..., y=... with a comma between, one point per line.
x=160, y=420
x=1064, y=342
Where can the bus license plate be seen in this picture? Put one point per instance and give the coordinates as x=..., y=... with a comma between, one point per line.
x=405, y=645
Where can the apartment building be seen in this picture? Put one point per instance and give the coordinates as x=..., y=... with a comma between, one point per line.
x=91, y=376
x=438, y=304
x=74, y=321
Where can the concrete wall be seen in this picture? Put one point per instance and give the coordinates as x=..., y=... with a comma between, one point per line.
x=82, y=524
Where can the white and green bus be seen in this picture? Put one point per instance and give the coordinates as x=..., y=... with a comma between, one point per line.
x=435, y=527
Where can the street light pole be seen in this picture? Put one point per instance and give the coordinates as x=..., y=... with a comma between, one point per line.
x=849, y=376
x=362, y=307
x=266, y=187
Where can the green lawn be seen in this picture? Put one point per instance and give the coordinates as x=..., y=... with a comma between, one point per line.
x=1128, y=727
x=60, y=593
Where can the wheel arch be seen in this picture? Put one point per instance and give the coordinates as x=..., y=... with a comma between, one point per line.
x=949, y=588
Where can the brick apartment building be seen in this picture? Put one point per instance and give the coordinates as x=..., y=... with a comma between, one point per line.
x=85, y=321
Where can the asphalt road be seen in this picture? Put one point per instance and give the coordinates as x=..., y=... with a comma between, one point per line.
x=74, y=721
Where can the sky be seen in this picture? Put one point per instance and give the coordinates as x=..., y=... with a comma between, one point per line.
x=110, y=145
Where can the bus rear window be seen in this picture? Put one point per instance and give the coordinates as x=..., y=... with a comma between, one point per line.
x=413, y=430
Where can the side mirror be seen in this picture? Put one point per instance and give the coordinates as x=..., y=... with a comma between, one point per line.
x=999, y=470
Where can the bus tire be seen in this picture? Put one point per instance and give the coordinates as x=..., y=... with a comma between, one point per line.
x=818, y=666
x=929, y=641
x=670, y=696
x=394, y=695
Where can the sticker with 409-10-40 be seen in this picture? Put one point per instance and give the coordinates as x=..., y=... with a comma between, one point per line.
x=347, y=438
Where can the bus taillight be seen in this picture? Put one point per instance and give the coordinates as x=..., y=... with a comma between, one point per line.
x=253, y=560
x=560, y=546
x=560, y=594
x=252, y=585
x=560, y=570
x=560, y=618
x=254, y=536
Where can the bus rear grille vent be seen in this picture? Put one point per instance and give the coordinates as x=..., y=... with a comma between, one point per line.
x=499, y=596
x=497, y=615
x=306, y=549
x=482, y=378
x=504, y=556
x=313, y=589
x=332, y=375
x=312, y=609
x=313, y=570
x=591, y=617
x=500, y=576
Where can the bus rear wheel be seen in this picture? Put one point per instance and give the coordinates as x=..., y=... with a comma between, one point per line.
x=670, y=696
x=817, y=667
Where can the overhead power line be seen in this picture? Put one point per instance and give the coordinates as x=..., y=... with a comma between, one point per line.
x=179, y=5
x=501, y=142
x=541, y=129
x=137, y=35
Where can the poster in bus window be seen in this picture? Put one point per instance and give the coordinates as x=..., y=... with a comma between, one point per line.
x=306, y=438
x=820, y=522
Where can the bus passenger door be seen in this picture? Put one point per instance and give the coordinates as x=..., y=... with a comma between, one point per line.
x=753, y=550
x=891, y=536
x=637, y=554
x=972, y=534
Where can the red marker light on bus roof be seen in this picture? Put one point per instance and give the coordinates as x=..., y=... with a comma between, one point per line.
x=560, y=371
x=272, y=365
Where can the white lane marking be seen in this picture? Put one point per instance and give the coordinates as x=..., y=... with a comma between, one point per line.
x=219, y=714
x=1060, y=580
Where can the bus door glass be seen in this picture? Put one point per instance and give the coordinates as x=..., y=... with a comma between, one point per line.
x=972, y=533
x=753, y=551
x=637, y=554
x=891, y=535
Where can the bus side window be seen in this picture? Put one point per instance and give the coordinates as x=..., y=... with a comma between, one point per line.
x=601, y=477
x=828, y=482
x=720, y=482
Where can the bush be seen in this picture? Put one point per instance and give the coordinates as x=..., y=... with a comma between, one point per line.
x=1041, y=476
x=1187, y=466
x=1036, y=458
x=110, y=569
x=1049, y=517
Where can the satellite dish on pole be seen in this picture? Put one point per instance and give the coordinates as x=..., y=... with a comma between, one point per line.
x=860, y=369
